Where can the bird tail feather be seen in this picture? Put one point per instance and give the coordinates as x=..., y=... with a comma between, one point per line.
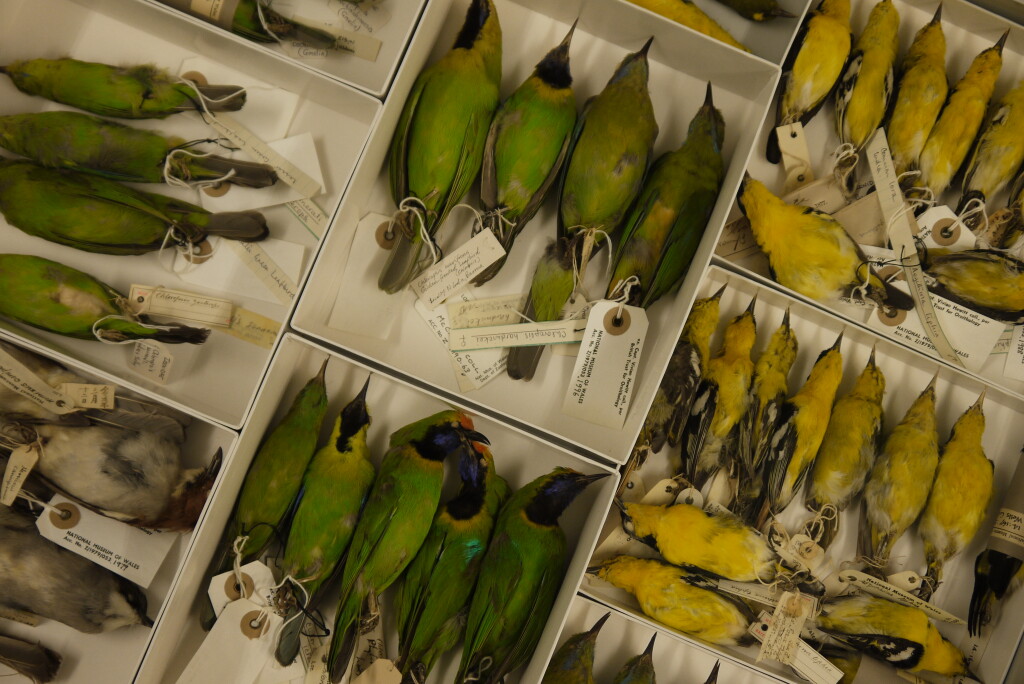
x=246, y=226
x=523, y=361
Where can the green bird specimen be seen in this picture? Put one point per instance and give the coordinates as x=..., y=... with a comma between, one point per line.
x=81, y=142
x=333, y=492
x=639, y=669
x=608, y=157
x=438, y=144
x=396, y=519
x=434, y=598
x=274, y=478
x=525, y=148
x=49, y=295
x=95, y=214
x=758, y=10
x=520, y=576
x=667, y=222
x=573, y=662
x=135, y=92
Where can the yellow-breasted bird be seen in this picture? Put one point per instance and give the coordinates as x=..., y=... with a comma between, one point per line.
x=810, y=252
x=768, y=391
x=986, y=280
x=800, y=427
x=685, y=535
x=688, y=14
x=813, y=67
x=959, y=498
x=847, y=452
x=920, y=95
x=679, y=599
x=866, y=87
x=722, y=398
x=902, y=636
x=573, y=662
x=999, y=153
x=901, y=478
x=953, y=134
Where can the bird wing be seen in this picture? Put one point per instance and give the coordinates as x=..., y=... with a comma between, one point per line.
x=683, y=395
x=488, y=172
x=683, y=239
x=702, y=412
x=397, y=175
x=898, y=652
x=577, y=130
x=844, y=91
x=465, y=173
x=495, y=591
x=637, y=215
x=780, y=451
x=538, y=197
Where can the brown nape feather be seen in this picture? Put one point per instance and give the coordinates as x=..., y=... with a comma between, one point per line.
x=189, y=497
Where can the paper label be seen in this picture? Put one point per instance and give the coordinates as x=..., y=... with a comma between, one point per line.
x=310, y=215
x=973, y=648
x=257, y=585
x=188, y=306
x=131, y=552
x=737, y=240
x=370, y=645
x=1013, y=366
x=382, y=671
x=602, y=379
x=632, y=487
x=907, y=580
x=942, y=229
x=577, y=308
x=807, y=662
x=690, y=497
x=362, y=45
x=19, y=464
x=253, y=328
x=88, y=396
x=1004, y=341
x=21, y=616
x=237, y=648
x=663, y=493
x=1007, y=541
x=822, y=194
x=782, y=639
x=313, y=651
x=876, y=587
x=473, y=370
x=864, y=222
x=17, y=377
x=214, y=9
x=1009, y=527
x=151, y=360
x=361, y=307
x=754, y=591
x=234, y=131
x=479, y=313
x=910, y=677
x=270, y=274
x=518, y=335
x=456, y=270
x=366, y=16
x=716, y=508
x=796, y=157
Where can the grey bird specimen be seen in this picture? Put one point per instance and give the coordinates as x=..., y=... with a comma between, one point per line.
x=15, y=406
x=33, y=661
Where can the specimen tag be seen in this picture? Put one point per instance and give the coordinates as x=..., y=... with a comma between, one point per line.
x=270, y=274
x=1008, y=532
x=233, y=130
x=807, y=662
x=456, y=270
x=796, y=157
x=632, y=487
x=220, y=11
x=822, y=194
x=477, y=313
x=1013, y=365
x=187, y=306
x=362, y=45
x=577, y=309
x=382, y=671
x=257, y=585
x=313, y=652
x=517, y=335
x=1009, y=527
x=876, y=587
x=132, y=552
x=151, y=360
x=907, y=580
x=240, y=644
x=370, y=646
x=716, y=508
x=690, y=497
x=602, y=380
x=755, y=591
x=863, y=220
x=89, y=396
x=473, y=369
x=663, y=493
x=19, y=464
x=360, y=306
x=942, y=229
x=17, y=377
x=782, y=638
x=309, y=214
x=253, y=328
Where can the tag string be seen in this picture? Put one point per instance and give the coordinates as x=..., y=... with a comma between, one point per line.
x=185, y=248
x=503, y=224
x=485, y=664
x=305, y=597
x=478, y=219
x=236, y=563
x=579, y=269
x=420, y=214
x=205, y=100
x=626, y=287
x=263, y=21
x=974, y=207
x=186, y=181
x=62, y=514
x=846, y=162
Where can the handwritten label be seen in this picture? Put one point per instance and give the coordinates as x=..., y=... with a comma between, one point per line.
x=876, y=587
x=17, y=377
x=313, y=651
x=19, y=464
x=519, y=335
x=602, y=380
x=472, y=370
x=151, y=360
x=310, y=215
x=1009, y=527
x=864, y=222
x=382, y=671
x=253, y=328
x=1013, y=365
x=89, y=396
x=270, y=274
x=362, y=45
x=755, y=591
x=456, y=270
x=214, y=9
x=577, y=309
x=188, y=306
x=796, y=157
x=822, y=194
x=132, y=552
x=478, y=313
x=783, y=636
x=807, y=662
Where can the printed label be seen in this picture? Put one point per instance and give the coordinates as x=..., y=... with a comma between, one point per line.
x=473, y=370
x=877, y=587
x=942, y=229
x=519, y=335
x=88, y=396
x=456, y=270
x=253, y=328
x=270, y=274
x=151, y=360
x=479, y=313
x=19, y=464
x=188, y=306
x=17, y=377
x=1013, y=503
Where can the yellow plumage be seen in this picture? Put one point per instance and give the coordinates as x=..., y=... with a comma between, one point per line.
x=960, y=495
x=819, y=62
x=688, y=14
x=701, y=324
x=678, y=599
x=902, y=476
x=953, y=134
x=901, y=635
x=1000, y=151
x=686, y=535
x=921, y=94
x=989, y=281
x=863, y=95
x=769, y=389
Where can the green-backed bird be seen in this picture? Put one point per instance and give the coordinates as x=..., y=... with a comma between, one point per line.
x=520, y=577
x=135, y=92
x=49, y=295
x=438, y=144
x=434, y=599
x=958, y=503
x=273, y=480
x=573, y=662
x=812, y=68
x=866, y=87
x=96, y=214
x=396, y=519
x=333, y=492
x=957, y=127
x=82, y=142
x=640, y=668
x=525, y=149
x=999, y=153
x=901, y=479
x=847, y=452
x=810, y=252
x=669, y=216
x=605, y=167
x=986, y=280
x=921, y=93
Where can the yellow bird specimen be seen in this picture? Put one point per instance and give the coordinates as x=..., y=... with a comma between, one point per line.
x=688, y=14
x=999, y=152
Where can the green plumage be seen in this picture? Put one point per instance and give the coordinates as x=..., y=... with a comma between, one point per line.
x=668, y=219
x=573, y=662
x=438, y=144
x=396, y=519
x=435, y=593
x=54, y=297
x=95, y=214
x=136, y=92
x=247, y=23
x=638, y=669
x=334, y=489
x=520, y=577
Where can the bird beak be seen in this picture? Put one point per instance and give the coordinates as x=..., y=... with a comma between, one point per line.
x=785, y=319
x=750, y=306
x=938, y=15
x=781, y=13
x=649, y=651
x=981, y=399
x=1002, y=40
x=568, y=36
x=708, y=100
x=322, y=375
x=474, y=436
x=713, y=677
x=871, y=359
x=647, y=46
x=592, y=632
x=362, y=393
x=718, y=294
x=931, y=385
x=839, y=340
